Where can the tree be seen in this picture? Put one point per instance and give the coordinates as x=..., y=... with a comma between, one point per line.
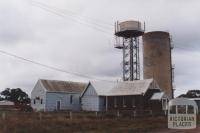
x=5, y=95
x=17, y=96
x=191, y=94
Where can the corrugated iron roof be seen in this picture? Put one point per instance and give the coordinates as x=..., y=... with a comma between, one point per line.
x=6, y=103
x=103, y=87
x=137, y=87
x=63, y=86
x=157, y=96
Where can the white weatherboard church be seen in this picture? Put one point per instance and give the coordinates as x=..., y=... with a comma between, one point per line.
x=52, y=95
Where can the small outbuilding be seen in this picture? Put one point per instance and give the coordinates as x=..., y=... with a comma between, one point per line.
x=54, y=95
x=7, y=105
x=197, y=100
x=128, y=95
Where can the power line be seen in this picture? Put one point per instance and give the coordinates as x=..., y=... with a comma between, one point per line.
x=94, y=25
x=60, y=13
x=63, y=15
x=51, y=67
x=103, y=24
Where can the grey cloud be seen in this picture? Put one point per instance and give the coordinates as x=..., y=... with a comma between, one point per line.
x=68, y=44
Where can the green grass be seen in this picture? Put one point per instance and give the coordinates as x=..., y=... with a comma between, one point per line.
x=85, y=122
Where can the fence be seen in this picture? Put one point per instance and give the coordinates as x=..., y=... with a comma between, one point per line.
x=69, y=115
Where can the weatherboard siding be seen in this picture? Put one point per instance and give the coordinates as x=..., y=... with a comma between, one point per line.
x=40, y=92
x=90, y=100
x=53, y=97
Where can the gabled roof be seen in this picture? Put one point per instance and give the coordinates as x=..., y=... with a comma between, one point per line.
x=137, y=87
x=103, y=87
x=63, y=86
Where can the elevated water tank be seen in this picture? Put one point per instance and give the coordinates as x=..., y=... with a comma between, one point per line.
x=129, y=29
x=157, y=60
x=128, y=32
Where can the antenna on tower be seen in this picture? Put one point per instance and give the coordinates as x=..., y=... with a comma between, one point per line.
x=127, y=35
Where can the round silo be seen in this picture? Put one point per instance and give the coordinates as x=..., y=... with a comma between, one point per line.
x=157, y=60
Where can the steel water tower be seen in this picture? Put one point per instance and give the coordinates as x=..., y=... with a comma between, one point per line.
x=127, y=35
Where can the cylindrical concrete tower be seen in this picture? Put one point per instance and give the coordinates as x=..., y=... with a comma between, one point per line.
x=157, y=62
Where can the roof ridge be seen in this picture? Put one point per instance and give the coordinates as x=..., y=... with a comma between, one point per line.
x=62, y=81
x=63, y=86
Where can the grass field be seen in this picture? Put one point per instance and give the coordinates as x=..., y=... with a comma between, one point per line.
x=85, y=122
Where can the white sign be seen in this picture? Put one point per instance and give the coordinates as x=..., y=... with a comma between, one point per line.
x=182, y=114
x=178, y=121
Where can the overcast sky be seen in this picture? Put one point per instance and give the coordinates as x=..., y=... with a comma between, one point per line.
x=77, y=36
